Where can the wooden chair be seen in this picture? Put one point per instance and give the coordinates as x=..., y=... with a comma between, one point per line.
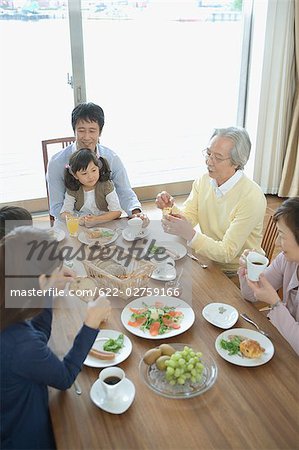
x=269, y=238
x=56, y=145
x=268, y=245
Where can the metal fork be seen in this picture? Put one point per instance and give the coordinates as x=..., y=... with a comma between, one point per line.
x=245, y=317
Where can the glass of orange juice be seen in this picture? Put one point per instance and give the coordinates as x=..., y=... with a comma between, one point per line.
x=72, y=223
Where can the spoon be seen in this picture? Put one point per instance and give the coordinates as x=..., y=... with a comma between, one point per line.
x=245, y=317
x=179, y=277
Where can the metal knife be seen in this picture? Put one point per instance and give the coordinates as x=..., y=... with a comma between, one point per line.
x=204, y=266
x=77, y=388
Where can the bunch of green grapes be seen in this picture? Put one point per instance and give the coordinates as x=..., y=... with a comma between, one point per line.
x=184, y=365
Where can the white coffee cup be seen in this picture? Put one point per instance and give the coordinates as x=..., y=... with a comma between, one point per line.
x=256, y=264
x=111, y=380
x=134, y=226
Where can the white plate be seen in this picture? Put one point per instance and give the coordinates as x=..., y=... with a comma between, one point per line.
x=243, y=361
x=59, y=234
x=85, y=239
x=121, y=403
x=123, y=354
x=128, y=237
x=221, y=315
x=176, y=250
x=164, y=275
x=179, y=304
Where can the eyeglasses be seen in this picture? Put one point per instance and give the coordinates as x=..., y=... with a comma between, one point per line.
x=207, y=154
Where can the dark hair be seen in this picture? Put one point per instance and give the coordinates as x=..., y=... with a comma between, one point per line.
x=88, y=112
x=25, y=254
x=79, y=161
x=9, y=215
x=289, y=211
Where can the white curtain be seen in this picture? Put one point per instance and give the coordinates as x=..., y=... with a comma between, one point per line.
x=289, y=186
x=276, y=97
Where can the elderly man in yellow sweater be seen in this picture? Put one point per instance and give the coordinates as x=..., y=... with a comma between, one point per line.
x=228, y=207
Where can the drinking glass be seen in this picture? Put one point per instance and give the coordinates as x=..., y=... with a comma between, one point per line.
x=72, y=223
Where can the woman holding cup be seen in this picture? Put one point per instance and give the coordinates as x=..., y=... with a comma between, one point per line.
x=283, y=273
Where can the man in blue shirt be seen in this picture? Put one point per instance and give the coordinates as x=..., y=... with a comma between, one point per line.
x=87, y=122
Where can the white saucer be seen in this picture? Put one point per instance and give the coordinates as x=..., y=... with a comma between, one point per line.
x=128, y=237
x=117, y=406
x=221, y=315
x=173, y=249
x=162, y=274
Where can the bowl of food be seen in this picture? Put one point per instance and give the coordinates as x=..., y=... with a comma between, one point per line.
x=177, y=371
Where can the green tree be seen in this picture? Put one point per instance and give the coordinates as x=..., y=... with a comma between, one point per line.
x=237, y=5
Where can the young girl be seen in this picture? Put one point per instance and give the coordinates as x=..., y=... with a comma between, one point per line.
x=282, y=272
x=89, y=190
x=27, y=364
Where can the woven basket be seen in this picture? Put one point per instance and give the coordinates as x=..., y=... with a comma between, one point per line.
x=138, y=275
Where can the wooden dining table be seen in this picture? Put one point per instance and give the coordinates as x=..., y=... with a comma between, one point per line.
x=246, y=408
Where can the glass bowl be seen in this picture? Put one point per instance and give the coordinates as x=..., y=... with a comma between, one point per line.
x=155, y=378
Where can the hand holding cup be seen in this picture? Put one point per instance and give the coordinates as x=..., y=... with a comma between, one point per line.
x=256, y=264
x=143, y=216
x=134, y=226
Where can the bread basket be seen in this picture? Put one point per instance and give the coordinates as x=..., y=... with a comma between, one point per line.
x=138, y=272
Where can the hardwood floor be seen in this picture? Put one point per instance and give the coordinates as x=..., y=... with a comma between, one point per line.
x=273, y=201
x=155, y=214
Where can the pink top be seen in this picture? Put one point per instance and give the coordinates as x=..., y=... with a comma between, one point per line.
x=285, y=317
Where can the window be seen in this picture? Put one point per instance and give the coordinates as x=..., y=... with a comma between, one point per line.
x=35, y=99
x=165, y=72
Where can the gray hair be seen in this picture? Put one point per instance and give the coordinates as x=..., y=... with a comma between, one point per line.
x=242, y=145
